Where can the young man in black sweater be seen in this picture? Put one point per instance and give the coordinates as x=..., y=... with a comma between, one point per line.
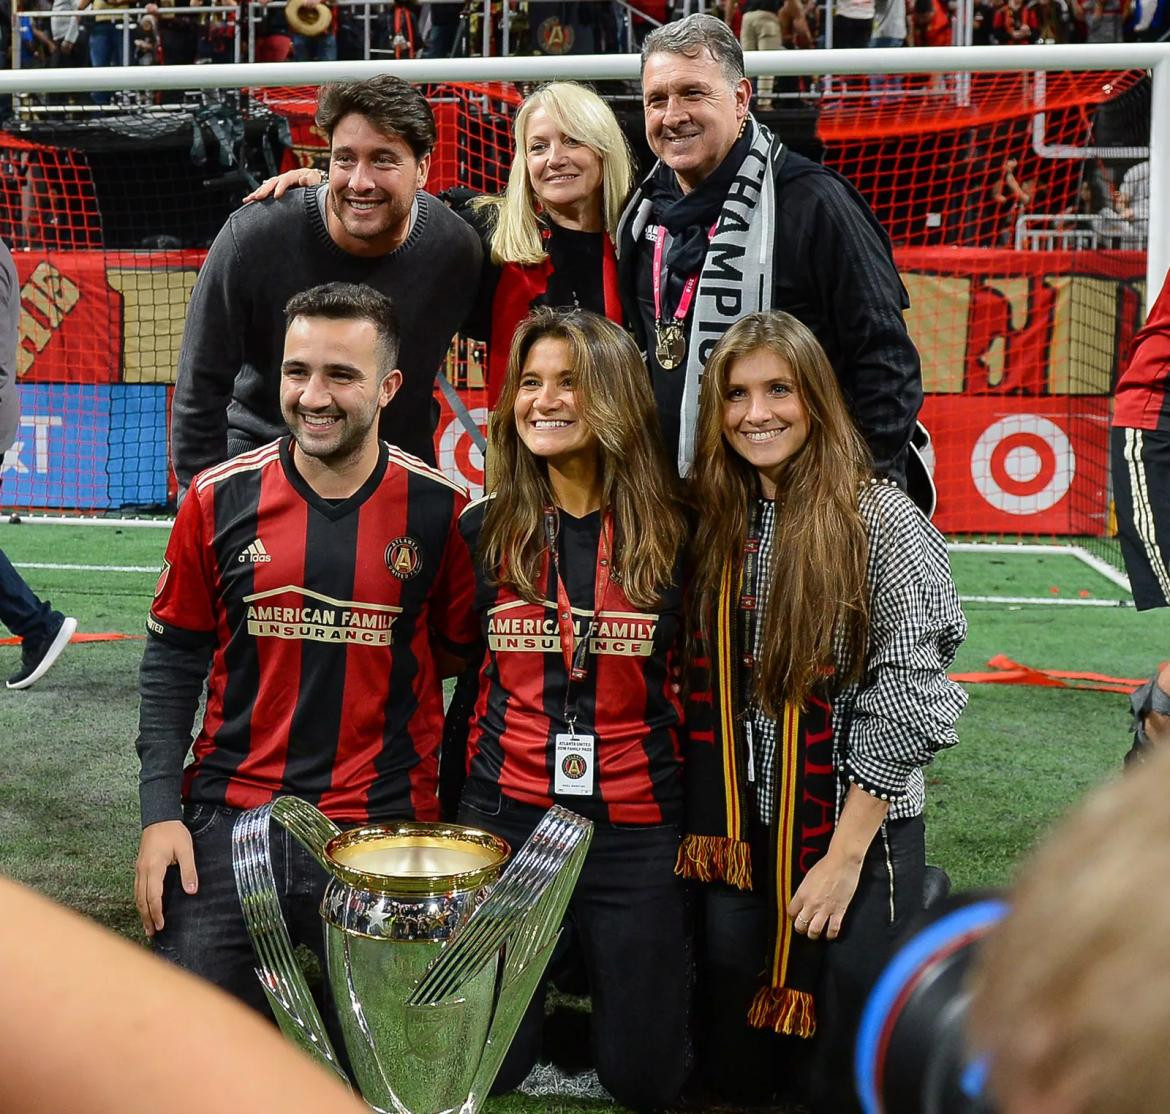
x=370, y=224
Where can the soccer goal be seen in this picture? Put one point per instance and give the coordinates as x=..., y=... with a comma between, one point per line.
x=1008, y=178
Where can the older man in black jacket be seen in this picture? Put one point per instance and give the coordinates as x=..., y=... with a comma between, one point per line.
x=731, y=221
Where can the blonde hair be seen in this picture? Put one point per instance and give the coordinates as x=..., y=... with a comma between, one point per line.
x=580, y=113
x=1072, y=991
x=819, y=586
x=613, y=400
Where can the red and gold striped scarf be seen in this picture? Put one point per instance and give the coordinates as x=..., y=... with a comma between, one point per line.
x=717, y=844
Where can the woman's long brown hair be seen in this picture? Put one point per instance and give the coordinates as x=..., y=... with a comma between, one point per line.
x=614, y=400
x=820, y=546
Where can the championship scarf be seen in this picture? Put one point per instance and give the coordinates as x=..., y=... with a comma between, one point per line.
x=717, y=844
x=736, y=275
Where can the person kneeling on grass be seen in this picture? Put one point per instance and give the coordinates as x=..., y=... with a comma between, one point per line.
x=827, y=617
x=324, y=575
x=577, y=557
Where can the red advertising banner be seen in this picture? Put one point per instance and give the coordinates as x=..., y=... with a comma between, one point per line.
x=1019, y=353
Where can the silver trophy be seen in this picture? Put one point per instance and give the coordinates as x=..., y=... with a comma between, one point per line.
x=433, y=949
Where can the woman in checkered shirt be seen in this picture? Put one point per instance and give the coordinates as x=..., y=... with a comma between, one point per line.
x=826, y=619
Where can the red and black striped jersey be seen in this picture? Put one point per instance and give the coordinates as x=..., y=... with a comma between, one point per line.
x=626, y=702
x=322, y=615
x=1142, y=397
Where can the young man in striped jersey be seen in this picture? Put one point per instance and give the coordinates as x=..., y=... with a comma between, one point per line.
x=324, y=577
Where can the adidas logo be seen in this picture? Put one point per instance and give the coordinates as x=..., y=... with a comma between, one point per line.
x=256, y=553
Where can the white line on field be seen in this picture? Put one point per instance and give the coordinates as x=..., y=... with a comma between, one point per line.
x=88, y=568
x=1046, y=601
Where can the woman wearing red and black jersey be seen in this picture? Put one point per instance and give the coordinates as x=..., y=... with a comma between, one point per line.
x=579, y=599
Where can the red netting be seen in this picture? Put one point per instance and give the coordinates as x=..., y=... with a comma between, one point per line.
x=1002, y=193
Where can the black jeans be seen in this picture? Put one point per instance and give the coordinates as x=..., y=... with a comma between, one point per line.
x=630, y=914
x=751, y=1065
x=205, y=931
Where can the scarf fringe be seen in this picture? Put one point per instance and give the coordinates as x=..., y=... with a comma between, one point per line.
x=783, y=1010
x=708, y=858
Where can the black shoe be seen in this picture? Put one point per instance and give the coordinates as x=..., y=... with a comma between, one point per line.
x=936, y=884
x=37, y=657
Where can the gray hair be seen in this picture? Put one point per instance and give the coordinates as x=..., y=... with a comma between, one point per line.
x=693, y=35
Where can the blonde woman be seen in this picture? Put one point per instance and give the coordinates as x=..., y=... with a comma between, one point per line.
x=827, y=617
x=577, y=586
x=550, y=234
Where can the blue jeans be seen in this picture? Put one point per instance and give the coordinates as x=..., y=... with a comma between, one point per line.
x=205, y=932
x=751, y=1065
x=315, y=48
x=891, y=83
x=20, y=610
x=105, y=49
x=631, y=916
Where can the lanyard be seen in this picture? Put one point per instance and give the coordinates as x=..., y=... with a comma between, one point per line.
x=577, y=655
x=688, y=293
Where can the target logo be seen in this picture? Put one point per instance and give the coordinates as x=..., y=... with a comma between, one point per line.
x=1023, y=464
x=459, y=456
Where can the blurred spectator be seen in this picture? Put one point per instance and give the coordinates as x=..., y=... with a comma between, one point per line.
x=1050, y=20
x=1134, y=192
x=65, y=29
x=314, y=37
x=1124, y=224
x=889, y=26
x=1106, y=20
x=983, y=21
x=760, y=30
x=273, y=43
x=1012, y=26
x=178, y=32
x=443, y=30
x=931, y=23
x=216, y=41
x=1013, y=198
x=799, y=24
x=105, y=37
x=146, y=41
x=36, y=44
x=852, y=23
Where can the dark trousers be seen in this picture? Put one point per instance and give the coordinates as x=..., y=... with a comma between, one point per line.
x=205, y=932
x=20, y=609
x=630, y=915
x=750, y=1065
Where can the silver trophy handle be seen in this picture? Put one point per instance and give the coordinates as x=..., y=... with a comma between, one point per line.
x=522, y=914
x=279, y=973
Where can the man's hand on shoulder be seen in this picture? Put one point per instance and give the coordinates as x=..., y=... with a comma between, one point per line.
x=165, y=844
x=302, y=176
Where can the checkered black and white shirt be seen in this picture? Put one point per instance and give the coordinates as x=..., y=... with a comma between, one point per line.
x=890, y=725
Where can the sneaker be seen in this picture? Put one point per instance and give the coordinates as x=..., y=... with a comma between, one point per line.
x=37, y=657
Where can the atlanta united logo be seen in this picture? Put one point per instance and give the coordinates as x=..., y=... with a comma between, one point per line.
x=403, y=557
x=162, y=579
x=573, y=766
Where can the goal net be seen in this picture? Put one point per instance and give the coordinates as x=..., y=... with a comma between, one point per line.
x=1012, y=200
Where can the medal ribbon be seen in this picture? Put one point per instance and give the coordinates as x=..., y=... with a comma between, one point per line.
x=577, y=656
x=688, y=294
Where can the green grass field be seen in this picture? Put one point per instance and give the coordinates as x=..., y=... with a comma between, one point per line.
x=68, y=800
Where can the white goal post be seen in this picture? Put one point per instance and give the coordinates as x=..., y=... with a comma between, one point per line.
x=1154, y=57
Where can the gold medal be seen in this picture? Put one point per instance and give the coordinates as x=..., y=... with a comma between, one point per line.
x=670, y=344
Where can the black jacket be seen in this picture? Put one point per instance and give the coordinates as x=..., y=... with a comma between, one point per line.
x=833, y=269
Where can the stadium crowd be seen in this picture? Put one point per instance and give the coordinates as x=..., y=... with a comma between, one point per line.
x=112, y=32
